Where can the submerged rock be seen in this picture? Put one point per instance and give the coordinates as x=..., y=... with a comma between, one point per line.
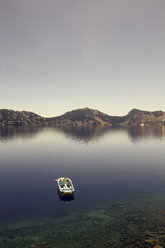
x=139, y=224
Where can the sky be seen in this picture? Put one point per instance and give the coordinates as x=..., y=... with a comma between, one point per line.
x=60, y=55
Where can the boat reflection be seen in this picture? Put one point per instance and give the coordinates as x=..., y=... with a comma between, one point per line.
x=66, y=199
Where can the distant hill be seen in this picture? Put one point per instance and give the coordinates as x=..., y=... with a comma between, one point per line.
x=82, y=117
x=20, y=118
x=140, y=117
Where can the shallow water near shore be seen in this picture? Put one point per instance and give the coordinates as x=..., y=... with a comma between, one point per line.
x=118, y=175
x=139, y=223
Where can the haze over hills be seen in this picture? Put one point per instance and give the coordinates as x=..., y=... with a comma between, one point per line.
x=82, y=117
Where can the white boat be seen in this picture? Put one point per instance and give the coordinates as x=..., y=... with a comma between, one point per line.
x=65, y=186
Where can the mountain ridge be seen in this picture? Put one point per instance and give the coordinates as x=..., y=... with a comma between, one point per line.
x=82, y=117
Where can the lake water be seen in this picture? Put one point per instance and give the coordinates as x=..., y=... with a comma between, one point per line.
x=119, y=180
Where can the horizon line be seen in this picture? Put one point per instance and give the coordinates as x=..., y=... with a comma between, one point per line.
x=80, y=109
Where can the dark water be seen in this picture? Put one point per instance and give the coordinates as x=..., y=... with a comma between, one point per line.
x=119, y=178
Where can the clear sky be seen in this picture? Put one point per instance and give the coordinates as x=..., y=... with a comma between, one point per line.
x=60, y=55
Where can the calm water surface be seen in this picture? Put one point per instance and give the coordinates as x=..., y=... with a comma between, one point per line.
x=109, y=167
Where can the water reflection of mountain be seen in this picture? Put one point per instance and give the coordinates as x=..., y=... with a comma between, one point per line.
x=8, y=133
x=88, y=134
x=144, y=132
x=85, y=134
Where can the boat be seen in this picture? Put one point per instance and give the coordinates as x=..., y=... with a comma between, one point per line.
x=65, y=186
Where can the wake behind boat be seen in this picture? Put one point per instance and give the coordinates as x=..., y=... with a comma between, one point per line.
x=65, y=186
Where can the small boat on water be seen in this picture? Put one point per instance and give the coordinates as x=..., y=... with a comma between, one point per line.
x=65, y=186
